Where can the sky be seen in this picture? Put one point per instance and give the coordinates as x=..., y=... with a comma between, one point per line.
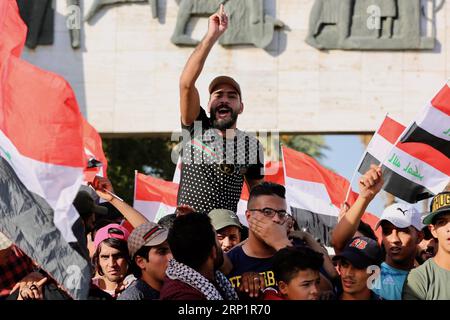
x=343, y=157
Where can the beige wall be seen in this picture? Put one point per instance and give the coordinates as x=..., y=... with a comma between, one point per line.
x=126, y=74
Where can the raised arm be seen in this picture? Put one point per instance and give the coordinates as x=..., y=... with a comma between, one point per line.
x=189, y=97
x=369, y=185
x=134, y=217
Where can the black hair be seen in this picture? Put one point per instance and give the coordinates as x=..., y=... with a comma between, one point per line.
x=367, y=231
x=427, y=235
x=191, y=239
x=142, y=252
x=288, y=261
x=267, y=189
x=167, y=221
x=98, y=224
x=115, y=243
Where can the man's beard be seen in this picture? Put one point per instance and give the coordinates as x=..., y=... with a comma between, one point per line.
x=223, y=124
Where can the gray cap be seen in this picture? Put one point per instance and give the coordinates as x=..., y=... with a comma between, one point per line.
x=148, y=234
x=221, y=218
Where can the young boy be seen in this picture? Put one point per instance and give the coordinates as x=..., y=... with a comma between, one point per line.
x=431, y=281
x=297, y=273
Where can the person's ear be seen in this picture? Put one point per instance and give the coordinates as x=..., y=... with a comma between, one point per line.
x=248, y=214
x=283, y=287
x=433, y=230
x=214, y=253
x=139, y=262
x=208, y=107
x=241, y=108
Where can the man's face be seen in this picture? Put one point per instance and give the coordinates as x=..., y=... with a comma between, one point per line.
x=113, y=263
x=304, y=286
x=224, y=106
x=400, y=243
x=229, y=237
x=426, y=249
x=267, y=201
x=441, y=230
x=156, y=263
x=353, y=280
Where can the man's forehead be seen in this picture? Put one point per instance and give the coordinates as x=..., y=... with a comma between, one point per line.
x=270, y=201
x=228, y=230
x=443, y=217
x=224, y=88
x=161, y=245
x=107, y=250
x=385, y=224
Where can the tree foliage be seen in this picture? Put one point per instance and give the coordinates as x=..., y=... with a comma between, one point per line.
x=312, y=145
x=147, y=155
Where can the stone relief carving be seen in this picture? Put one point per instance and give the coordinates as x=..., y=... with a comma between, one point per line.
x=248, y=24
x=370, y=25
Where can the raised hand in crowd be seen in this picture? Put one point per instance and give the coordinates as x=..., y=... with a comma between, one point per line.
x=28, y=280
x=370, y=183
x=103, y=188
x=218, y=24
x=32, y=290
x=369, y=186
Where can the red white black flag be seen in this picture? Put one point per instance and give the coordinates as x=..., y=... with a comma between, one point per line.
x=412, y=171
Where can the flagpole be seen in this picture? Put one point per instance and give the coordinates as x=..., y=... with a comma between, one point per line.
x=284, y=175
x=135, y=186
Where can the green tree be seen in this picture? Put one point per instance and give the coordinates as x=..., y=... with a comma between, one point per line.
x=312, y=145
x=151, y=156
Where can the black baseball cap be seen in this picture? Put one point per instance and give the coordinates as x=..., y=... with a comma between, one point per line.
x=86, y=206
x=361, y=252
x=439, y=205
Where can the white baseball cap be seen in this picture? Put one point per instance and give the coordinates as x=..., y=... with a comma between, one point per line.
x=402, y=215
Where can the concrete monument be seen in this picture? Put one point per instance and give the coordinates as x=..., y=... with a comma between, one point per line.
x=248, y=24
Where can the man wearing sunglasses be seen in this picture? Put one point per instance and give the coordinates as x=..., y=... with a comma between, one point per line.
x=268, y=232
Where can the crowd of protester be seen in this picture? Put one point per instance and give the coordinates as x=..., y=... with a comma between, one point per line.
x=204, y=252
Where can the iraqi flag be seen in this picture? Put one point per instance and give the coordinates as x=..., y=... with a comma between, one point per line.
x=153, y=197
x=40, y=126
x=27, y=220
x=315, y=194
x=412, y=171
x=432, y=126
x=95, y=159
x=41, y=142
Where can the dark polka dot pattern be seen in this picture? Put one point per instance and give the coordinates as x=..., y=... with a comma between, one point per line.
x=213, y=170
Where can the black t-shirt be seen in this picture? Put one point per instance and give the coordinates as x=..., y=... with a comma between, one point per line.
x=242, y=263
x=213, y=168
